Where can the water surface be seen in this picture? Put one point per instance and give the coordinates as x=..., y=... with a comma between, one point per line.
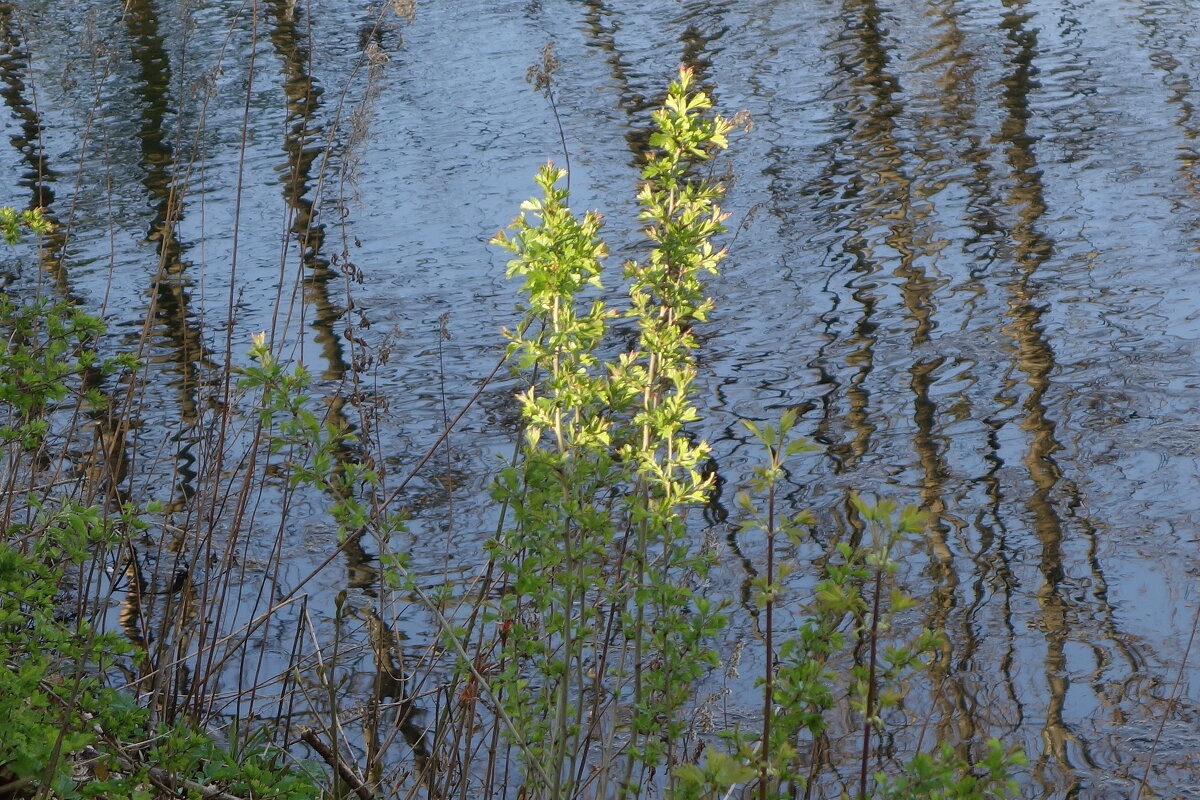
x=963, y=245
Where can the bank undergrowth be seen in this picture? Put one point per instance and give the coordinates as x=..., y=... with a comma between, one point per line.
x=582, y=662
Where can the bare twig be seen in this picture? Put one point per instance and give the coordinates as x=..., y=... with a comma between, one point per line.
x=310, y=738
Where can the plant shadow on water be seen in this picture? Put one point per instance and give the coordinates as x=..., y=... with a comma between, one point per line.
x=932, y=277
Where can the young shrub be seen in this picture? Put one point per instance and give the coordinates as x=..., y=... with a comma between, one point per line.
x=599, y=622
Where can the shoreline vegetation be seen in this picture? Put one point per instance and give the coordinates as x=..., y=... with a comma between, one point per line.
x=580, y=663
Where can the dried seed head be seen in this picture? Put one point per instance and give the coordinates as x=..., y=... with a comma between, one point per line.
x=405, y=8
x=742, y=120
x=541, y=75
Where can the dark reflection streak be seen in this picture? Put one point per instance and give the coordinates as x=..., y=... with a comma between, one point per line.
x=745, y=594
x=703, y=22
x=165, y=181
x=864, y=179
x=18, y=96
x=1159, y=32
x=992, y=563
x=994, y=577
x=1035, y=358
x=304, y=143
x=863, y=187
x=1120, y=639
x=14, y=64
x=153, y=89
x=958, y=721
x=998, y=554
x=106, y=465
x=169, y=315
x=603, y=36
x=948, y=126
x=304, y=146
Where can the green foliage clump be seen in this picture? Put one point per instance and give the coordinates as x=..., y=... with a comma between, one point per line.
x=850, y=620
x=606, y=476
x=49, y=350
x=67, y=732
x=13, y=223
x=603, y=631
x=49, y=689
x=316, y=450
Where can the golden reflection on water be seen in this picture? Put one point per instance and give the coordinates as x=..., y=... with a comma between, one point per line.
x=881, y=190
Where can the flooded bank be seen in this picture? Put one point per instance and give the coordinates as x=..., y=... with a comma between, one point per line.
x=962, y=247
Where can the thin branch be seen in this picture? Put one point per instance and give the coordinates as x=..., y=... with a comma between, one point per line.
x=309, y=736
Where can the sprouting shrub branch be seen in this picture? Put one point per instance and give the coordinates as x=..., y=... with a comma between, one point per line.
x=316, y=447
x=679, y=207
x=853, y=608
x=13, y=223
x=607, y=474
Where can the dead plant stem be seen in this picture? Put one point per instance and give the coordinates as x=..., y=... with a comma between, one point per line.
x=869, y=711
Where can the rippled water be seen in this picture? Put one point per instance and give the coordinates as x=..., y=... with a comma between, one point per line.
x=964, y=247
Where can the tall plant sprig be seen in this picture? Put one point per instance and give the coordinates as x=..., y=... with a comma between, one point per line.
x=315, y=449
x=680, y=208
x=560, y=491
x=600, y=608
x=773, y=750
